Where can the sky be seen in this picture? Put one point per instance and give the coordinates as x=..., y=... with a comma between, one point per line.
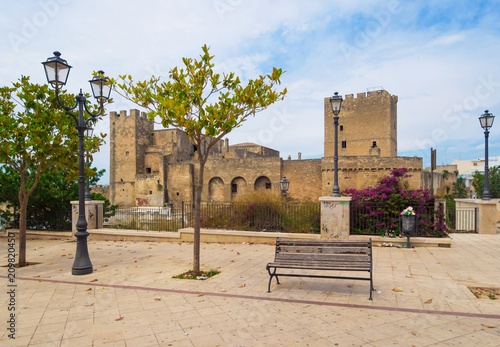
x=439, y=57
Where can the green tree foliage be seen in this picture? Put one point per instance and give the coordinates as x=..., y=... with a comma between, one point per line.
x=459, y=190
x=36, y=136
x=50, y=201
x=493, y=183
x=205, y=105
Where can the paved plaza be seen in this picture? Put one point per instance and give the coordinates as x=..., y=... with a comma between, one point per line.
x=421, y=298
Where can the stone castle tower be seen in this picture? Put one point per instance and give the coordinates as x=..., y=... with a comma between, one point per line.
x=367, y=125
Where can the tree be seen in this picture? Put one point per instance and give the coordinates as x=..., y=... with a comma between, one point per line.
x=493, y=183
x=459, y=189
x=36, y=136
x=203, y=104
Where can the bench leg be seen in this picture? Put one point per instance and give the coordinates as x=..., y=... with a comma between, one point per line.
x=371, y=285
x=271, y=275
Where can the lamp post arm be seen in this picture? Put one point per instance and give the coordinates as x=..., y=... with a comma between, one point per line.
x=94, y=116
x=66, y=108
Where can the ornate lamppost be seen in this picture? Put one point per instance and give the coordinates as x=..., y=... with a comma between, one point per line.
x=486, y=121
x=57, y=71
x=336, y=102
x=88, y=134
x=284, y=185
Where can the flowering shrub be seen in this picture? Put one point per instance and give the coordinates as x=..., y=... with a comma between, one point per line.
x=376, y=210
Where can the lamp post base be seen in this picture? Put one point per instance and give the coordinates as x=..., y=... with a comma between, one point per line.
x=84, y=271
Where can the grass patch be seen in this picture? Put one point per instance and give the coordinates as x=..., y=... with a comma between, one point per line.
x=189, y=275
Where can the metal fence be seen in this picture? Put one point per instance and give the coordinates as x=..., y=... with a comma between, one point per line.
x=376, y=219
x=42, y=220
x=303, y=218
x=463, y=220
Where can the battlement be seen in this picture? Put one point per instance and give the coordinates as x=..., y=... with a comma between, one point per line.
x=369, y=94
x=133, y=113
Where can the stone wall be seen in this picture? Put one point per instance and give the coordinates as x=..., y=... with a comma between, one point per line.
x=304, y=177
x=364, y=172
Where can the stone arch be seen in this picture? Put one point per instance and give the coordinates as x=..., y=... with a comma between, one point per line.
x=216, y=189
x=238, y=187
x=262, y=183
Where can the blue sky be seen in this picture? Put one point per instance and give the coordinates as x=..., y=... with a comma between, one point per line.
x=439, y=57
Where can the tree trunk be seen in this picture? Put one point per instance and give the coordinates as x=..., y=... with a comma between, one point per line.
x=22, y=232
x=197, y=220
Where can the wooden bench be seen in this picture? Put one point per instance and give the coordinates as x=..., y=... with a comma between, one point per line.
x=322, y=255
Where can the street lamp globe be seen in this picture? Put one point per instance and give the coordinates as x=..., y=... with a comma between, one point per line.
x=100, y=87
x=56, y=70
x=284, y=185
x=336, y=102
x=486, y=120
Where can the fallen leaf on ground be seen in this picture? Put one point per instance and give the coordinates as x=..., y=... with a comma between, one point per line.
x=94, y=280
x=63, y=255
x=89, y=305
x=36, y=276
x=104, y=266
x=408, y=276
x=428, y=301
x=150, y=248
x=397, y=290
x=241, y=286
x=232, y=261
x=119, y=318
x=414, y=333
x=157, y=299
x=201, y=294
x=60, y=270
x=488, y=326
x=89, y=289
x=238, y=253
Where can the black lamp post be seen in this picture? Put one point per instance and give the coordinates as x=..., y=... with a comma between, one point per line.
x=336, y=102
x=57, y=71
x=284, y=185
x=486, y=121
x=88, y=134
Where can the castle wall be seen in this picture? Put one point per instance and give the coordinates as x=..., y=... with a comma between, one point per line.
x=363, y=120
x=229, y=170
x=305, y=179
x=364, y=172
x=180, y=183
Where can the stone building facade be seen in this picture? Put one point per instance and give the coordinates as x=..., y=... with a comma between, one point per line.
x=157, y=167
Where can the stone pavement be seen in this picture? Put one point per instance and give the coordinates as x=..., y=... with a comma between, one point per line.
x=131, y=299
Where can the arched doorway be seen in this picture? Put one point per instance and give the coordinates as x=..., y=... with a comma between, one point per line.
x=238, y=187
x=262, y=183
x=216, y=189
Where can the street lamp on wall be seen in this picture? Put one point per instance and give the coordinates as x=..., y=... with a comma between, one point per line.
x=57, y=71
x=486, y=121
x=336, y=102
x=284, y=185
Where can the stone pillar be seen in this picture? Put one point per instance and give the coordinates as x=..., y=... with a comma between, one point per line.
x=335, y=217
x=487, y=223
x=94, y=212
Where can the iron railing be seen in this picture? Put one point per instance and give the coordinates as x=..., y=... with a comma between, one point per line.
x=42, y=220
x=303, y=218
x=371, y=218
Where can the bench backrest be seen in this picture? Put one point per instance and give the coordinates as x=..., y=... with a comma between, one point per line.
x=322, y=252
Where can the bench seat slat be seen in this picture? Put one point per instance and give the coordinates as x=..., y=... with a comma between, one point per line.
x=323, y=250
x=321, y=257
